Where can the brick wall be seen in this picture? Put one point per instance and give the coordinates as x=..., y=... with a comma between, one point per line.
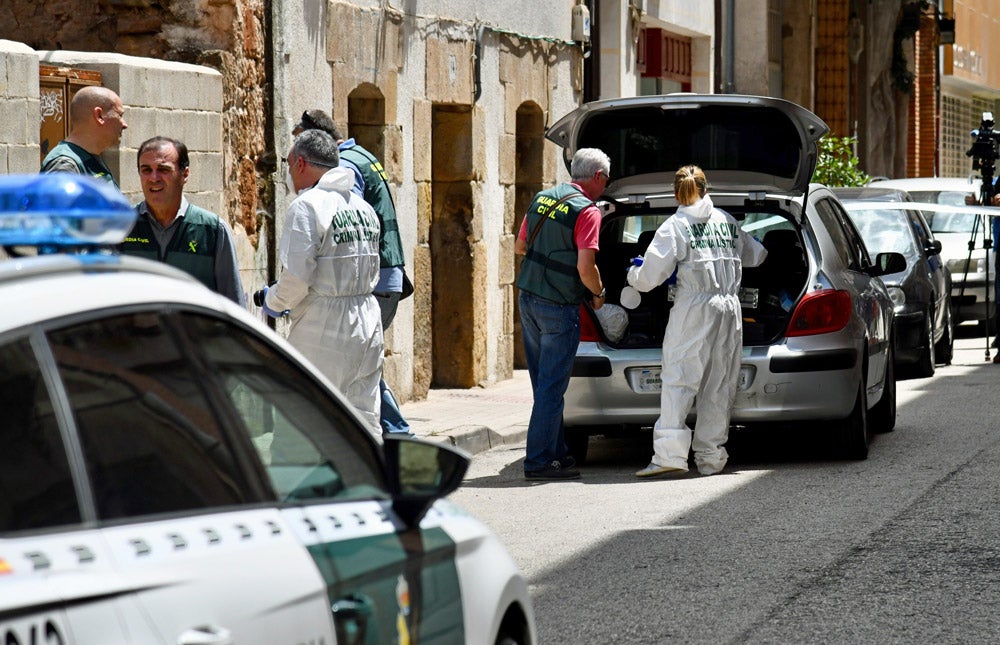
x=832, y=71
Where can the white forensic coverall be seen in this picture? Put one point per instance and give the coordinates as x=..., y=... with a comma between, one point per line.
x=702, y=347
x=329, y=267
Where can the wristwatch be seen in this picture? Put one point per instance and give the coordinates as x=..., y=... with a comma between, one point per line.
x=601, y=294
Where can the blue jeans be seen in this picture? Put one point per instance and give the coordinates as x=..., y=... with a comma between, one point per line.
x=390, y=417
x=551, y=334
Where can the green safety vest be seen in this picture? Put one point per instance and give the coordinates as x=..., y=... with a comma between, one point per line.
x=86, y=163
x=549, y=269
x=191, y=249
x=390, y=246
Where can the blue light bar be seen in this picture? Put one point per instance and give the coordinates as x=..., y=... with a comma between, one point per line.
x=62, y=209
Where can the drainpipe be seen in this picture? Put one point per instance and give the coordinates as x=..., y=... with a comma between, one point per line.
x=730, y=82
x=592, y=64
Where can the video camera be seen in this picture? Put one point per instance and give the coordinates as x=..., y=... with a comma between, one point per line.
x=984, y=154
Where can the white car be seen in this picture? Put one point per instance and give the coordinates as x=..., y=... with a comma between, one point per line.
x=955, y=230
x=172, y=471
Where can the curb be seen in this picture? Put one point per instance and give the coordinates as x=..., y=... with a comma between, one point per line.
x=477, y=439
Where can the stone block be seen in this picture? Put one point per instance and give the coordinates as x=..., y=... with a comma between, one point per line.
x=393, y=162
x=507, y=294
x=423, y=138
x=480, y=318
x=22, y=158
x=423, y=362
x=136, y=90
x=477, y=210
x=142, y=124
x=389, y=86
x=14, y=120
x=448, y=72
x=506, y=260
x=206, y=172
x=507, y=158
x=509, y=209
x=22, y=75
x=479, y=162
x=425, y=211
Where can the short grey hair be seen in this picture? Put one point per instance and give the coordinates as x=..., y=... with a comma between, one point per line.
x=588, y=161
x=317, y=147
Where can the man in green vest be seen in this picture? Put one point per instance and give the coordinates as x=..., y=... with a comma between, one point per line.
x=558, y=239
x=98, y=119
x=371, y=184
x=170, y=229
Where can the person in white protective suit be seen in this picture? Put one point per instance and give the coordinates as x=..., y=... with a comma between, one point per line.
x=703, y=343
x=329, y=267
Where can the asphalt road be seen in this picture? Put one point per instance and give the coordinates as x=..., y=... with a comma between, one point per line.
x=786, y=546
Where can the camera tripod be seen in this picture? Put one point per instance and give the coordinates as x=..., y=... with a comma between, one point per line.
x=984, y=221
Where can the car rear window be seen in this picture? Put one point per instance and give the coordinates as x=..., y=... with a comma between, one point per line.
x=648, y=139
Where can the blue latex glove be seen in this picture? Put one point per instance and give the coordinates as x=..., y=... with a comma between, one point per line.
x=637, y=261
x=271, y=312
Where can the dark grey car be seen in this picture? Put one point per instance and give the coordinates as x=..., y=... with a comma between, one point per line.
x=923, y=331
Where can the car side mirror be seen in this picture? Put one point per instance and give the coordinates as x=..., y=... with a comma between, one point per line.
x=933, y=247
x=421, y=472
x=886, y=263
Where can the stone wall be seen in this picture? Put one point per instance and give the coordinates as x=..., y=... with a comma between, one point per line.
x=227, y=35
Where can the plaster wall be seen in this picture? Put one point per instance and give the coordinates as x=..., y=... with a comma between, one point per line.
x=619, y=32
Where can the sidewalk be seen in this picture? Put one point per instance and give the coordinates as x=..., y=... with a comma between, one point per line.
x=474, y=420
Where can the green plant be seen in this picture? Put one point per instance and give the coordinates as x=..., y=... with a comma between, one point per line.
x=837, y=164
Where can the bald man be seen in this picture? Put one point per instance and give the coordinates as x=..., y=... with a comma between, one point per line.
x=98, y=119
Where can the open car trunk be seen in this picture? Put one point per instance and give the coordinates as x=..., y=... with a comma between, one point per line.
x=769, y=291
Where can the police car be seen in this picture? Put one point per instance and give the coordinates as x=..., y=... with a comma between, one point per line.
x=172, y=471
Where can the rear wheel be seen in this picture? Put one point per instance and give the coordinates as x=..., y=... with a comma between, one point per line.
x=882, y=417
x=851, y=434
x=925, y=363
x=945, y=348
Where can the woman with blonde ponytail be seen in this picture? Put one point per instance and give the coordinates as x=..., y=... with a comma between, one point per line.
x=703, y=343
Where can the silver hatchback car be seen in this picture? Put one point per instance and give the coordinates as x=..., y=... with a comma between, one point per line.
x=817, y=319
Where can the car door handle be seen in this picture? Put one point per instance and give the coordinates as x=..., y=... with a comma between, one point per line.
x=206, y=635
x=350, y=617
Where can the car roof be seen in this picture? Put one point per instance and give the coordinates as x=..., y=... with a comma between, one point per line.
x=743, y=143
x=969, y=184
x=58, y=285
x=871, y=193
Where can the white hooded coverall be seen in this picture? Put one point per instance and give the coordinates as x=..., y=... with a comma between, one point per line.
x=329, y=267
x=702, y=347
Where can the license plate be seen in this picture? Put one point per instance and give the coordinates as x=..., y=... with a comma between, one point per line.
x=647, y=379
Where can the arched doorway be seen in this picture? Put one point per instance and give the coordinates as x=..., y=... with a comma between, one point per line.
x=366, y=118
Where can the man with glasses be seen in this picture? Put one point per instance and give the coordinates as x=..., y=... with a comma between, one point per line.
x=98, y=120
x=329, y=259
x=370, y=182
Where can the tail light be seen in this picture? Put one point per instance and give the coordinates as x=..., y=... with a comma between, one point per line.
x=820, y=312
x=589, y=329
